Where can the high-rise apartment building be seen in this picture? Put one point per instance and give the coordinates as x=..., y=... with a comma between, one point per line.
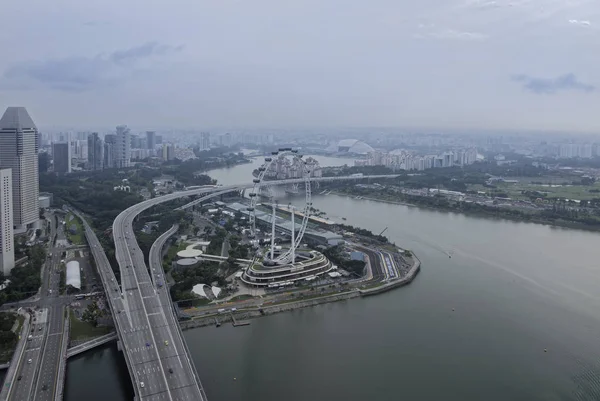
x=19, y=152
x=61, y=155
x=95, y=152
x=7, y=246
x=150, y=140
x=123, y=147
x=168, y=152
x=110, y=148
x=204, y=140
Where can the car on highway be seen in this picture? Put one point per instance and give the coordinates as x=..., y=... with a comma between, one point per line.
x=147, y=344
x=29, y=360
x=142, y=384
x=166, y=342
x=19, y=378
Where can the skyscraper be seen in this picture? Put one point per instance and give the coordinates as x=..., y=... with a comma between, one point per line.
x=19, y=152
x=61, y=154
x=7, y=246
x=95, y=150
x=110, y=148
x=150, y=140
x=123, y=147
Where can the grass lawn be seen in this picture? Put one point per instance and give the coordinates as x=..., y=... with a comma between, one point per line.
x=579, y=192
x=78, y=237
x=241, y=297
x=83, y=330
x=173, y=249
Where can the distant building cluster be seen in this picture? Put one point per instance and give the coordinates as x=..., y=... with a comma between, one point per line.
x=90, y=149
x=572, y=150
x=404, y=160
x=283, y=168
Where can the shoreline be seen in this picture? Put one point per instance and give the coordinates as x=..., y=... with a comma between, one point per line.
x=560, y=224
x=255, y=312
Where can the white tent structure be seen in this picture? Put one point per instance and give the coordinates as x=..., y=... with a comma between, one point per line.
x=73, y=274
x=198, y=289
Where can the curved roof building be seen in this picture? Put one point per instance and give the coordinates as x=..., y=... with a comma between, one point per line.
x=187, y=262
x=73, y=274
x=353, y=146
x=189, y=253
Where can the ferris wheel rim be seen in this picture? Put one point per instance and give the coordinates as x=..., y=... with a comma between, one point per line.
x=258, y=183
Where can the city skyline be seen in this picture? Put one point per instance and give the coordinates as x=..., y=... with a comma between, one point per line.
x=453, y=64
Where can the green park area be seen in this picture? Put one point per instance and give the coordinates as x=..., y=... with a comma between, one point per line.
x=81, y=330
x=525, y=189
x=74, y=229
x=10, y=327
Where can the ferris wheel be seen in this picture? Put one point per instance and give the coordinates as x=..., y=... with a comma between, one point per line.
x=259, y=181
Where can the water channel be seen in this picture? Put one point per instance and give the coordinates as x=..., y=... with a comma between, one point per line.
x=514, y=314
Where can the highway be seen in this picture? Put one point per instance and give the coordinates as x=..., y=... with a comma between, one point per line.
x=47, y=378
x=39, y=377
x=22, y=387
x=164, y=369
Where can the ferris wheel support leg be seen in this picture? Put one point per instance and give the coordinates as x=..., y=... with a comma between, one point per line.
x=273, y=233
x=293, y=236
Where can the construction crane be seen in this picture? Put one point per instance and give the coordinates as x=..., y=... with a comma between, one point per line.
x=384, y=230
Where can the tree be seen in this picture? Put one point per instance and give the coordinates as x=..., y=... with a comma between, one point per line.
x=38, y=233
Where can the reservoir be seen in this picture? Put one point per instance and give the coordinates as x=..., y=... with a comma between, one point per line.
x=513, y=314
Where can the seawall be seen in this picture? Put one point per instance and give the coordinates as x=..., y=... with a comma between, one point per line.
x=247, y=313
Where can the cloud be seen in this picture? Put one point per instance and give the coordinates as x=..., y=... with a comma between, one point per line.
x=77, y=74
x=583, y=23
x=458, y=35
x=93, y=23
x=450, y=34
x=146, y=50
x=550, y=86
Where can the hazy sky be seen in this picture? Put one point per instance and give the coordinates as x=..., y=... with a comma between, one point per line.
x=198, y=63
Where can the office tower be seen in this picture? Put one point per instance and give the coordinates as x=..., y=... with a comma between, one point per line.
x=150, y=140
x=19, y=152
x=110, y=145
x=123, y=147
x=43, y=162
x=204, y=140
x=95, y=151
x=7, y=246
x=61, y=154
x=77, y=150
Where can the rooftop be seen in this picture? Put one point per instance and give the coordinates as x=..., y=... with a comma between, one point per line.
x=16, y=118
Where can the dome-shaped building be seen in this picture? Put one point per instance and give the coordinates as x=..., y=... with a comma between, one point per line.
x=351, y=146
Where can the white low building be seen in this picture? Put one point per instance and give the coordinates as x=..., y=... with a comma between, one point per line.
x=73, y=274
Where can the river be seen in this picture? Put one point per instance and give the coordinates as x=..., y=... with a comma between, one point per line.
x=514, y=314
